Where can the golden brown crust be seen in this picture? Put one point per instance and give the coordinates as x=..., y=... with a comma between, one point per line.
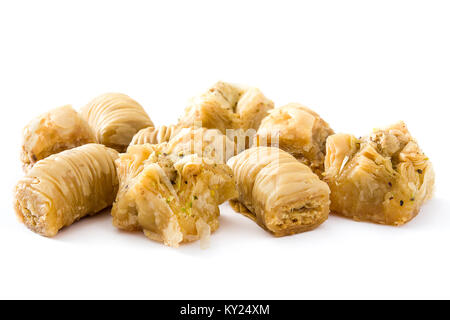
x=115, y=118
x=383, y=178
x=281, y=194
x=65, y=187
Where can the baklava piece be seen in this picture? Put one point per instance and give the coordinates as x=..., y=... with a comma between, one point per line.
x=115, y=119
x=298, y=130
x=52, y=132
x=227, y=106
x=65, y=187
x=278, y=192
x=173, y=198
x=383, y=178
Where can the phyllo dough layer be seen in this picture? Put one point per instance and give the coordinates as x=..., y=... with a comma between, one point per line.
x=383, y=178
x=278, y=192
x=65, y=187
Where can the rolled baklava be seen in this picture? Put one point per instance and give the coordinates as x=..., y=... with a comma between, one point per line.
x=65, y=187
x=383, y=178
x=278, y=192
x=115, y=119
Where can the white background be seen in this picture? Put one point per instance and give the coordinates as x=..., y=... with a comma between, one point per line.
x=360, y=64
